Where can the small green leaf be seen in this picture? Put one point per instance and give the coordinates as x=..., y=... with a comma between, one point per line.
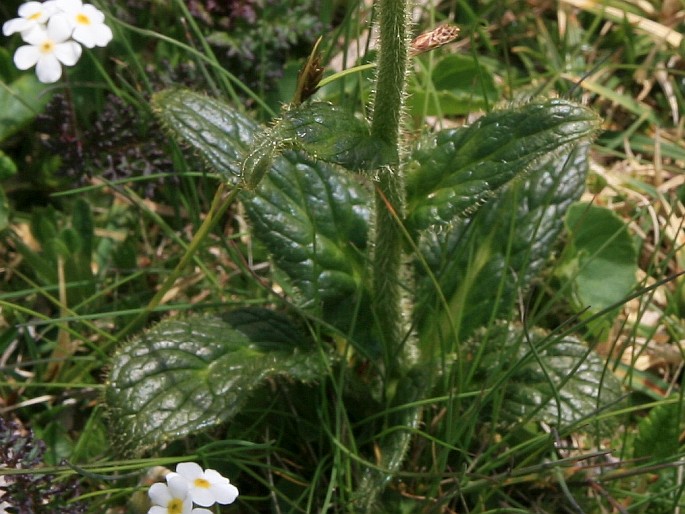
x=459, y=85
x=322, y=131
x=220, y=133
x=659, y=432
x=561, y=383
x=186, y=375
x=600, y=252
x=259, y=159
x=334, y=135
x=458, y=170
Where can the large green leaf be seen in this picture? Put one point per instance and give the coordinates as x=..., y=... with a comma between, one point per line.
x=600, y=261
x=481, y=263
x=185, y=375
x=457, y=170
x=20, y=103
x=542, y=377
x=314, y=222
x=219, y=132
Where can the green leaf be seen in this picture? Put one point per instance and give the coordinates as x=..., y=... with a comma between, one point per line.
x=659, y=432
x=561, y=383
x=314, y=222
x=459, y=85
x=334, y=135
x=482, y=264
x=600, y=251
x=220, y=133
x=20, y=103
x=186, y=375
x=457, y=170
x=324, y=132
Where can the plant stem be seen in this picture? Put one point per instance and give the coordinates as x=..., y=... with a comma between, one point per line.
x=389, y=195
x=388, y=254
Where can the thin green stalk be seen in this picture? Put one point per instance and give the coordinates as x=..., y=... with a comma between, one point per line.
x=389, y=195
x=219, y=206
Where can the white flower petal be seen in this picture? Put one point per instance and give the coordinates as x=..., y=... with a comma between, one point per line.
x=187, y=505
x=201, y=511
x=225, y=493
x=85, y=36
x=178, y=486
x=15, y=25
x=215, y=477
x=28, y=9
x=36, y=36
x=202, y=496
x=156, y=509
x=68, y=53
x=59, y=28
x=159, y=494
x=104, y=35
x=189, y=470
x=69, y=5
x=50, y=7
x=26, y=56
x=48, y=69
x=95, y=15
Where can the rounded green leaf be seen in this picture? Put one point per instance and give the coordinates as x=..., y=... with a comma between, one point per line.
x=601, y=259
x=185, y=375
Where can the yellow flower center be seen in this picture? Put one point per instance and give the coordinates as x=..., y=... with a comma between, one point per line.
x=34, y=16
x=201, y=482
x=47, y=46
x=82, y=19
x=175, y=506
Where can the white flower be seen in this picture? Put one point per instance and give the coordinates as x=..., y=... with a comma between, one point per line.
x=87, y=21
x=3, y=504
x=48, y=48
x=32, y=15
x=170, y=498
x=205, y=487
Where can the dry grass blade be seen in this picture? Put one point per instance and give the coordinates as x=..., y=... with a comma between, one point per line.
x=659, y=31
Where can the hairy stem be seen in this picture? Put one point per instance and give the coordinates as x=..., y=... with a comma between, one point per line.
x=389, y=196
